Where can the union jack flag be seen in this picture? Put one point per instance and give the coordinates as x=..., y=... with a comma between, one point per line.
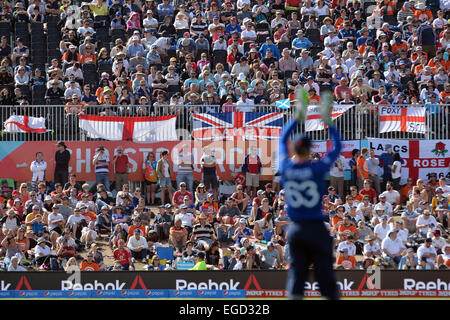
x=232, y=125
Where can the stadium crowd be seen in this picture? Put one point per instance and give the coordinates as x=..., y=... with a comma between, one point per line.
x=161, y=55
x=51, y=225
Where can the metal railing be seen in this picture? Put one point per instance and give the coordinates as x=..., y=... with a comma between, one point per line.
x=360, y=122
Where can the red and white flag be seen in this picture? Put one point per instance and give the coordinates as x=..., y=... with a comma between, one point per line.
x=410, y=119
x=314, y=119
x=25, y=124
x=137, y=129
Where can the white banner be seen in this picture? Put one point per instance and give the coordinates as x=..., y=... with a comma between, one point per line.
x=314, y=120
x=136, y=129
x=25, y=124
x=404, y=119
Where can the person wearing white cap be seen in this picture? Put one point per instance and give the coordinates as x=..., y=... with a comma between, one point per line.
x=392, y=247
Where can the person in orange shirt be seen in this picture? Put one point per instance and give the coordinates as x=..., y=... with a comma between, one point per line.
x=344, y=261
x=337, y=219
x=313, y=96
x=88, y=215
x=75, y=106
x=89, y=264
x=422, y=12
x=362, y=168
x=346, y=229
x=90, y=57
x=406, y=190
x=137, y=224
x=444, y=96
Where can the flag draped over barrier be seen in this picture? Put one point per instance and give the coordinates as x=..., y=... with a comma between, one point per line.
x=314, y=119
x=410, y=119
x=136, y=129
x=25, y=124
x=230, y=125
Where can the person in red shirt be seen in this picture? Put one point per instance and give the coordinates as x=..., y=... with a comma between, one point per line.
x=122, y=257
x=121, y=165
x=178, y=196
x=369, y=191
x=252, y=168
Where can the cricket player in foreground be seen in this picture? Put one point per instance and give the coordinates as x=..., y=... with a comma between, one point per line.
x=304, y=184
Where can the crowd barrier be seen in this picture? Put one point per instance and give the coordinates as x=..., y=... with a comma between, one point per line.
x=359, y=122
x=218, y=284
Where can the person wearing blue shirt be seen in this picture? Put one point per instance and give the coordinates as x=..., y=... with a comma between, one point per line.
x=309, y=239
x=269, y=45
x=134, y=47
x=386, y=160
x=165, y=9
x=233, y=27
x=347, y=33
x=301, y=42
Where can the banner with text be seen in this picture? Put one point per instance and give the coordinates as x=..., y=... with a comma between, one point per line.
x=421, y=157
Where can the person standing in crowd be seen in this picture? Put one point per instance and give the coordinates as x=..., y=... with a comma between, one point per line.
x=164, y=173
x=121, y=165
x=374, y=170
x=386, y=161
x=150, y=177
x=185, y=168
x=38, y=168
x=209, y=163
x=352, y=165
x=252, y=169
x=101, y=163
x=337, y=176
x=62, y=158
x=396, y=170
x=362, y=168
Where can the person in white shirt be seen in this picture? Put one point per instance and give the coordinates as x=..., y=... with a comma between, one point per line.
x=239, y=264
x=445, y=256
x=56, y=224
x=425, y=223
x=14, y=265
x=38, y=168
x=392, y=247
x=88, y=234
x=372, y=248
x=138, y=246
x=428, y=251
x=389, y=210
x=365, y=208
x=438, y=242
x=337, y=175
x=187, y=218
x=42, y=251
x=245, y=104
x=349, y=245
x=374, y=170
x=445, y=188
x=402, y=233
x=381, y=229
x=392, y=196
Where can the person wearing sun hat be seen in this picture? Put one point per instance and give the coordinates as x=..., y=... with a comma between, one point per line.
x=203, y=233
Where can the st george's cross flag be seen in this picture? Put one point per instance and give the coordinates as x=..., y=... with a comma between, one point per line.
x=237, y=125
x=314, y=119
x=25, y=124
x=136, y=129
x=404, y=119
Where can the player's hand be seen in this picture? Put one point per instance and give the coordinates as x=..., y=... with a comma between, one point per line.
x=325, y=108
x=301, y=105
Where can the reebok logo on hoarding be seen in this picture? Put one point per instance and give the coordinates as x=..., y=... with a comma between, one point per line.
x=210, y=285
x=68, y=285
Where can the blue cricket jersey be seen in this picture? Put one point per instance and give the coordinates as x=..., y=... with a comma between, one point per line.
x=304, y=183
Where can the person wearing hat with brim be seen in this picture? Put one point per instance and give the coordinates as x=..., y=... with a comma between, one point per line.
x=425, y=223
x=392, y=248
x=203, y=233
x=62, y=158
x=42, y=252
x=372, y=248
